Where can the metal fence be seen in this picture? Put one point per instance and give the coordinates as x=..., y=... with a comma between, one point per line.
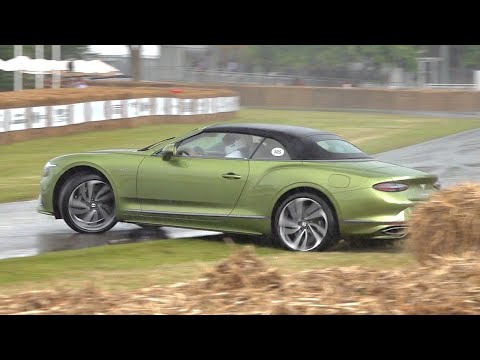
x=195, y=75
x=452, y=86
x=153, y=70
x=188, y=74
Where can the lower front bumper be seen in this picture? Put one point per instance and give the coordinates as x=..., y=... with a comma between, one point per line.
x=41, y=207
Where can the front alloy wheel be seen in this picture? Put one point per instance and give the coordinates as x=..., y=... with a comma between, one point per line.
x=88, y=204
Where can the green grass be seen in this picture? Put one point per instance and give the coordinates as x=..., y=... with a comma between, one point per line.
x=21, y=163
x=164, y=262
x=168, y=261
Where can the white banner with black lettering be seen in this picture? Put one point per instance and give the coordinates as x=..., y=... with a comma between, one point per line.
x=18, y=119
x=116, y=109
x=97, y=111
x=144, y=107
x=201, y=106
x=173, y=106
x=220, y=104
x=3, y=120
x=159, y=106
x=132, y=108
x=39, y=117
x=186, y=107
x=212, y=109
x=61, y=115
x=78, y=112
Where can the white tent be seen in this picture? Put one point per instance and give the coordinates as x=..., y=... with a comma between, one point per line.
x=44, y=66
x=99, y=67
x=16, y=64
x=39, y=66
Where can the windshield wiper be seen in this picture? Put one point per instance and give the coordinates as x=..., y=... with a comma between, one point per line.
x=152, y=145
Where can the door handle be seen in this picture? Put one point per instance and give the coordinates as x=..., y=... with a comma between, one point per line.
x=231, y=176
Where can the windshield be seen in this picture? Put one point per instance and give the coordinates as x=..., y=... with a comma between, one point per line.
x=152, y=145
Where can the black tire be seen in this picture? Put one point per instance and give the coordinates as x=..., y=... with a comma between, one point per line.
x=66, y=192
x=330, y=238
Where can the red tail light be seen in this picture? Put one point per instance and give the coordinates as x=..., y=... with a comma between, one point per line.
x=390, y=187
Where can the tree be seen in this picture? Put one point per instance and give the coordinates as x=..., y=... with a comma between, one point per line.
x=472, y=56
x=6, y=77
x=319, y=59
x=73, y=51
x=67, y=51
x=135, y=51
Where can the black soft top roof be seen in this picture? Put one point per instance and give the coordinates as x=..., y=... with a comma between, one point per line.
x=297, y=140
x=277, y=132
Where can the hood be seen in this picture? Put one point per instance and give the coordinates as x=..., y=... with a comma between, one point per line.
x=121, y=151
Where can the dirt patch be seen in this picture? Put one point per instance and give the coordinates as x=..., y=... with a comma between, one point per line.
x=448, y=223
x=44, y=97
x=243, y=284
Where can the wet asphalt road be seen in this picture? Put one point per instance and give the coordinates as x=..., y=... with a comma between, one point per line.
x=24, y=232
x=455, y=158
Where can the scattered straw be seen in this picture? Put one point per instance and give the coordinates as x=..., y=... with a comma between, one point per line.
x=244, y=285
x=448, y=223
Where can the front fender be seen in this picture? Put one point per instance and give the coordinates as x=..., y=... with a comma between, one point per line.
x=97, y=167
x=119, y=169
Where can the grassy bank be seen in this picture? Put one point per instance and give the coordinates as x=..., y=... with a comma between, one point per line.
x=21, y=163
x=165, y=262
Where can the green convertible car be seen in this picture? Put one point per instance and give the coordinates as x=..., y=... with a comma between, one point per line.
x=303, y=188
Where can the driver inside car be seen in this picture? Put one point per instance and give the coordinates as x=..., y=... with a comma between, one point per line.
x=186, y=151
x=240, y=148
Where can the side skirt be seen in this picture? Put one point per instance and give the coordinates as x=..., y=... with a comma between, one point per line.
x=241, y=224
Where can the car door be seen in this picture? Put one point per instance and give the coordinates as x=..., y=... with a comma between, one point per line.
x=202, y=179
x=271, y=170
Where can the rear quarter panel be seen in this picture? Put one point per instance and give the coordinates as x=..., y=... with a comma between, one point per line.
x=348, y=186
x=269, y=180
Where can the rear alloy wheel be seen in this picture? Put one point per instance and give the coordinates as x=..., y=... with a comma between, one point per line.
x=305, y=222
x=88, y=204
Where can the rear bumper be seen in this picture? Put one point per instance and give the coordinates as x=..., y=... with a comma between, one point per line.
x=375, y=229
x=376, y=215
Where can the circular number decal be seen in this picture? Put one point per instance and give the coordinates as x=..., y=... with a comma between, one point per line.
x=278, y=151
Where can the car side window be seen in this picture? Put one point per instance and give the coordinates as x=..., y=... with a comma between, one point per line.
x=219, y=145
x=271, y=149
x=338, y=146
x=200, y=145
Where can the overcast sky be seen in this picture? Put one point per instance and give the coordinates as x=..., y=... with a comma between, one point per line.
x=147, y=50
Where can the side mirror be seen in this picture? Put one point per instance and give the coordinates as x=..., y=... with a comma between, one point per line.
x=168, y=152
